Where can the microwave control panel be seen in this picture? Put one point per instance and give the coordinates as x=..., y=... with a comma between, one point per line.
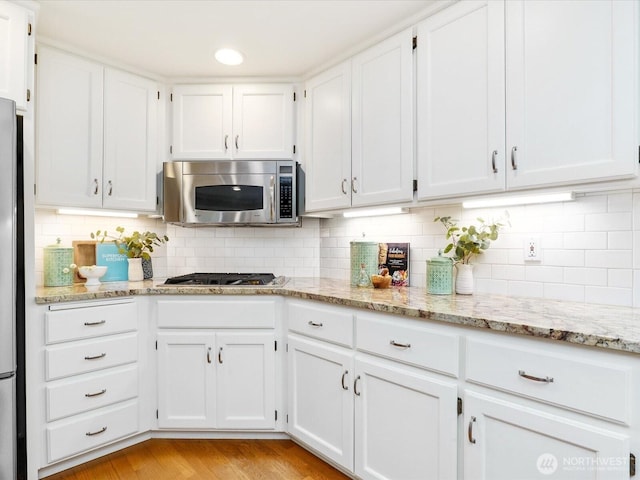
x=286, y=196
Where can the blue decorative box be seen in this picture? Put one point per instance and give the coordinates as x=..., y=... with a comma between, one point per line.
x=107, y=254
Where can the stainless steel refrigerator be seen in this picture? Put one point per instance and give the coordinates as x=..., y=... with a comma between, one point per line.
x=8, y=288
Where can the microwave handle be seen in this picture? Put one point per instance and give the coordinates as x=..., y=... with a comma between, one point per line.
x=272, y=195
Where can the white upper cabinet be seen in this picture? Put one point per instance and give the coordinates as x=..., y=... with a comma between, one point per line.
x=232, y=122
x=571, y=91
x=69, y=130
x=460, y=100
x=382, y=122
x=130, y=141
x=359, y=129
x=328, y=139
x=96, y=135
x=15, y=29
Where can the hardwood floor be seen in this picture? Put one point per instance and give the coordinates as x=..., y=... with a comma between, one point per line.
x=160, y=459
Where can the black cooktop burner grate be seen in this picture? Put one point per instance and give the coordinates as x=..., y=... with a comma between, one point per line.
x=222, y=279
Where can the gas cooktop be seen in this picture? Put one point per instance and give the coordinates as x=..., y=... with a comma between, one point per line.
x=226, y=279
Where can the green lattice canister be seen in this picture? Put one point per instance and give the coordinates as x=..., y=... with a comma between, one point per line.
x=363, y=255
x=58, y=265
x=440, y=275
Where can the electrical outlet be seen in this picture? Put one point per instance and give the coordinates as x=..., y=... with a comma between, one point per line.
x=532, y=251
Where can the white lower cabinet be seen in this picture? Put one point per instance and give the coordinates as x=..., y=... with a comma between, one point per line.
x=508, y=441
x=217, y=378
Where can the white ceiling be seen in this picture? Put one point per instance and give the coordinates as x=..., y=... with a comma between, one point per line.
x=177, y=38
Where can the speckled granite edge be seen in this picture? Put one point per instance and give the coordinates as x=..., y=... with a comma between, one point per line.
x=609, y=327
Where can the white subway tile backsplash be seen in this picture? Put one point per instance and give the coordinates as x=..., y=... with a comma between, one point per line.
x=609, y=295
x=586, y=276
x=622, y=278
x=620, y=240
x=608, y=258
x=559, y=291
x=605, y=222
x=526, y=289
x=585, y=240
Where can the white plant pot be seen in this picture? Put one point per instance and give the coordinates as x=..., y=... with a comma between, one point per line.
x=135, y=270
x=464, y=279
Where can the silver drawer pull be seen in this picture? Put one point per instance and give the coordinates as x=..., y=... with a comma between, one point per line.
x=399, y=345
x=91, y=434
x=314, y=324
x=523, y=374
x=91, y=324
x=101, y=392
x=96, y=357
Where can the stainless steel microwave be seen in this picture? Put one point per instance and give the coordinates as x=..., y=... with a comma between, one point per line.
x=239, y=192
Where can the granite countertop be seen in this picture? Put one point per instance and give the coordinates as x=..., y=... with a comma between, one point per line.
x=610, y=327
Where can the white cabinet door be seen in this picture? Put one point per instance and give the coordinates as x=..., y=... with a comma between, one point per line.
x=328, y=139
x=246, y=380
x=14, y=23
x=571, y=91
x=130, y=141
x=263, y=121
x=506, y=441
x=186, y=380
x=321, y=398
x=202, y=122
x=69, y=133
x=405, y=424
x=382, y=122
x=460, y=100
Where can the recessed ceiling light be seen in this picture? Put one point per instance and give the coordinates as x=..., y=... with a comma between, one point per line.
x=228, y=56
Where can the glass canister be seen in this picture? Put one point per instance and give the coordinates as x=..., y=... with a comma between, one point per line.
x=58, y=265
x=364, y=257
x=440, y=275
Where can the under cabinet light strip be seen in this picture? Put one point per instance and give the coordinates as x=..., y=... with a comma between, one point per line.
x=519, y=200
x=96, y=213
x=374, y=212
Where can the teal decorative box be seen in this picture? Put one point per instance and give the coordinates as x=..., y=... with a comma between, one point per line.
x=107, y=254
x=58, y=265
x=363, y=253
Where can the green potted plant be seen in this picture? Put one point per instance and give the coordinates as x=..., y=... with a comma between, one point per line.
x=137, y=246
x=466, y=242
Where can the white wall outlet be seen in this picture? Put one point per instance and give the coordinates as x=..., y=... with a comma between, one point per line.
x=532, y=252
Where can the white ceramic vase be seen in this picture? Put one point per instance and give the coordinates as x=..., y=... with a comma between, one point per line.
x=464, y=279
x=135, y=270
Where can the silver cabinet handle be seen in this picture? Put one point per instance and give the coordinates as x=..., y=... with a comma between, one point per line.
x=209, y=355
x=399, y=345
x=314, y=324
x=226, y=143
x=91, y=324
x=96, y=186
x=237, y=137
x=514, y=163
x=355, y=383
x=493, y=161
x=91, y=434
x=354, y=185
x=344, y=187
x=470, y=430
x=523, y=374
x=96, y=357
x=101, y=392
x=344, y=375
x=110, y=188
x=220, y=356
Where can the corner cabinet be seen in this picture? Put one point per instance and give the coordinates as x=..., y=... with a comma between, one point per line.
x=16, y=43
x=359, y=129
x=96, y=136
x=212, y=122
x=229, y=348
x=568, y=72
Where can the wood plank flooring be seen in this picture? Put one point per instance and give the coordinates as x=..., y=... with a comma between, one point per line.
x=160, y=459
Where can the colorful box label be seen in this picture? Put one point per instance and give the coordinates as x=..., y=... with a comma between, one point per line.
x=118, y=268
x=395, y=257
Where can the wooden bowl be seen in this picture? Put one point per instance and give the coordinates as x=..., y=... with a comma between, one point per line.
x=381, y=282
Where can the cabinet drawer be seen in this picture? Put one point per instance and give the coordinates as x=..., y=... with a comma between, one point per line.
x=553, y=377
x=80, y=434
x=86, y=356
x=321, y=321
x=86, y=322
x=408, y=342
x=70, y=397
x=244, y=313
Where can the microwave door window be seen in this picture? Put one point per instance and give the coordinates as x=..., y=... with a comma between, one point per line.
x=229, y=198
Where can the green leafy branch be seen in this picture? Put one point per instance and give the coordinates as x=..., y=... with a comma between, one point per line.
x=468, y=241
x=136, y=245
